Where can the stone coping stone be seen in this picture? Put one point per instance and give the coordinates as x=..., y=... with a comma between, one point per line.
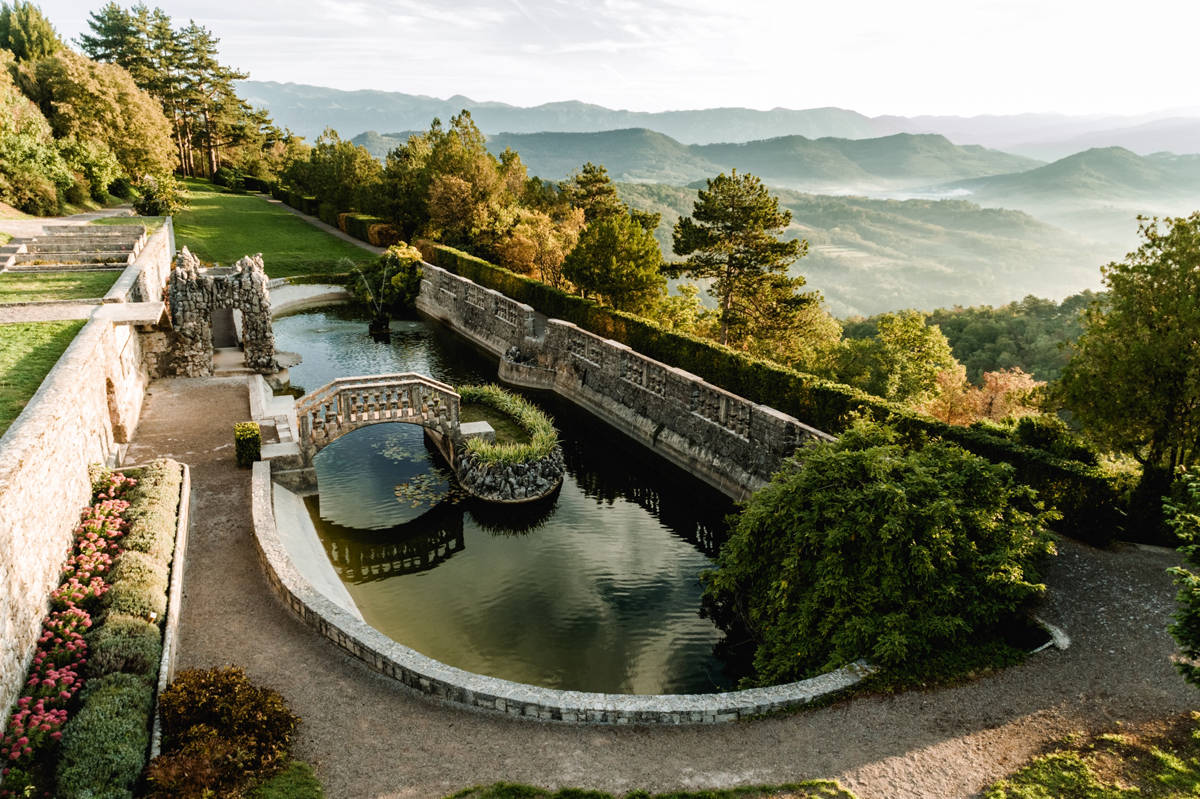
x=450, y=684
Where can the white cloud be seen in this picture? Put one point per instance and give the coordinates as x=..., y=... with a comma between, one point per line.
x=876, y=56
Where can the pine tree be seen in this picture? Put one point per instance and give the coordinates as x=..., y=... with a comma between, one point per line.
x=732, y=239
x=592, y=190
x=26, y=33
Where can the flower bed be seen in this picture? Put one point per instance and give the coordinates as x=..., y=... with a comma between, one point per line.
x=66, y=738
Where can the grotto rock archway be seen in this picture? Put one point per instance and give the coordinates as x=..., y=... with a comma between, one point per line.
x=196, y=292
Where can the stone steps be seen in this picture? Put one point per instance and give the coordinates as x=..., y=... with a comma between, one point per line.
x=72, y=258
x=34, y=268
x=93, y=230
x=87, y=245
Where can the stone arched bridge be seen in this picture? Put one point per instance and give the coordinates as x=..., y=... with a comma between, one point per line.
x=349, y=403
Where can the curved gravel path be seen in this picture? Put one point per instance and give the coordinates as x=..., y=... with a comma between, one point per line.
x=370, y=737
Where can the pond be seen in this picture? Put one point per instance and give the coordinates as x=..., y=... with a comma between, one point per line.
x=596, y=589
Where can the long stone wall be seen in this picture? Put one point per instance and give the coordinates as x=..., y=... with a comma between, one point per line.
x=145, y=279
x=730, y=442
x=87, y=406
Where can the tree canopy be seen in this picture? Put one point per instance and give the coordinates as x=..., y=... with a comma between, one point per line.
x=732, y=238
x=869, y=548
x=617, y=259
x=1133, y=381
x=26, y=33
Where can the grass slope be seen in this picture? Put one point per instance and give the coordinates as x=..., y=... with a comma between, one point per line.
x=37, y=286
x=28, y=350
x=221, y=227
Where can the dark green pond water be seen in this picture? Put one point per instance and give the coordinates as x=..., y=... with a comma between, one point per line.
x=594, y=590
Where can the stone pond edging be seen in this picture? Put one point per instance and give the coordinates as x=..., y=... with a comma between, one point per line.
x=450, y=684
x=510, y=482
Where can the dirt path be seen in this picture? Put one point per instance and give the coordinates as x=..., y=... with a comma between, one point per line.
x=370, y=737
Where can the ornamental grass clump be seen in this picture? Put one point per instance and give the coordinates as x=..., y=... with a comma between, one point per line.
x=543, y=438
x=897, y=552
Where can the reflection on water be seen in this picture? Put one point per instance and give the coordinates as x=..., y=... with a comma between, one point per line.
x=594, y=589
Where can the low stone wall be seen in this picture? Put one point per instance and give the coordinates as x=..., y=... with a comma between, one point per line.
x=87, y=406
x=436, y=679
x=730, y=442
x=146, y=278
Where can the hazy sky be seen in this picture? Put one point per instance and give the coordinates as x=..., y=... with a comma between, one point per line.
x=874, y=56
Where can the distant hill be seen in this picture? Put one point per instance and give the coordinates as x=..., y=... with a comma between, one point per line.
x=1097, y=193
x=639, y=155
x=308, y=110
x=868, y=256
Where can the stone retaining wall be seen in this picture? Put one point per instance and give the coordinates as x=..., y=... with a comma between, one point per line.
x=730, y=442
x=145, y=279
x=86, y=408
x=436, y=679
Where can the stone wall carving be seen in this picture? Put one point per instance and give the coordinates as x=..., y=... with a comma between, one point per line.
x=195, y=292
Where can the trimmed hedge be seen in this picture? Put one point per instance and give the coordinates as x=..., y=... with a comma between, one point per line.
x=1089, y=497
x=104, y=745
x=247, y=442
x=152, y=513
x=125, y=644
x=139, y=586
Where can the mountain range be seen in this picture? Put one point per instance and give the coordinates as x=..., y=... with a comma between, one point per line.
x=308, y=110
x=638, y=155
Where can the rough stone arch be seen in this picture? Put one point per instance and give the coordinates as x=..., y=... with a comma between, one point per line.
x=195, y=292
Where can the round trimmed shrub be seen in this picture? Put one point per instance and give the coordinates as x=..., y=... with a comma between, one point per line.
x=104, y=746
x=125, y=644
x=139, y=586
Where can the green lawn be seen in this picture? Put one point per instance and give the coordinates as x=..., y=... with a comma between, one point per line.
x=506, y=427
x=1161, y=760
x=151, y=223
x=34, y=286
x=28, y=350
x=221, y=227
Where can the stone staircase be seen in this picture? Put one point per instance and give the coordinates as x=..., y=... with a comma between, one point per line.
x=74, y=247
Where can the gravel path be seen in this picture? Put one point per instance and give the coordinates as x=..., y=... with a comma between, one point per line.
x=370, y=737
x=34, y=226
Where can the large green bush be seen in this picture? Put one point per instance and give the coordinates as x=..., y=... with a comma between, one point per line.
x=390, y=285
x=104, y=745
x=1089, y=497
x=875, y=548
x=159, y=195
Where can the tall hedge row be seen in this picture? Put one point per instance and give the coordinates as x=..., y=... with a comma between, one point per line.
x=1089, y=497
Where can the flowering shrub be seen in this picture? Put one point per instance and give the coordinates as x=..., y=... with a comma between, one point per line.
x=55, y=677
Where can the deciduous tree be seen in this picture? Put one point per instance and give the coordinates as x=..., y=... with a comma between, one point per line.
x=1133, y=381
